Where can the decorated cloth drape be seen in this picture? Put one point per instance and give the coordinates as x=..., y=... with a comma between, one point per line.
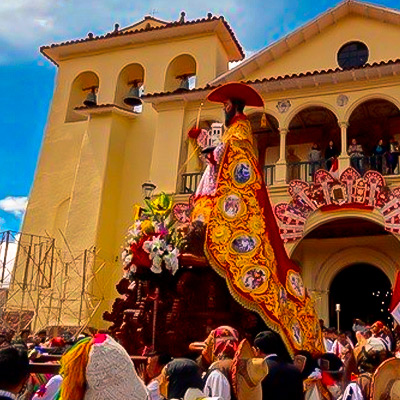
x=244, y=246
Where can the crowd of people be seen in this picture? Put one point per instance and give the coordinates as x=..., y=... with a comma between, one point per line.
x=383, y=158
x=221, y=367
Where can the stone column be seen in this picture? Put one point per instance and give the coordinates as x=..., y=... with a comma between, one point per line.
x=281, y=166
x=344, y=159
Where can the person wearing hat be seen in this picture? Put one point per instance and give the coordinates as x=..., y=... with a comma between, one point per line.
x=234, y=96
x=284, y=380
x=242, y=239
x=386, y=381
x=217, y=353
x=99, y=368
x=248, y=372
x=382, y=332
x=332, y=373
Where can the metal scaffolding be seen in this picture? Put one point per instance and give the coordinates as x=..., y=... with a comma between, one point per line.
x=42, y=285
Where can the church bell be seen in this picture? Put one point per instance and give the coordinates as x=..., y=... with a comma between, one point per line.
x=133, y=97
x=184, y=84
x=91, y=99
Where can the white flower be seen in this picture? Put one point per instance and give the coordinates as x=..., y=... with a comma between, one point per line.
x=156, y=248
x=171, y=261
x=127, y=260
x=156, y=266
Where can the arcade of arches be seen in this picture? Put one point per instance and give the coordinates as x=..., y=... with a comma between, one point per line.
x=349, y=253
x=278, y=147
x=369, y=122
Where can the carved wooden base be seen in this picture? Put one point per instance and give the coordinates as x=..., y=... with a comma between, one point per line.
x=189, y=305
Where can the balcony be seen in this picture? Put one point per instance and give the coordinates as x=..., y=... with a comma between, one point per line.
x=304, y=170
x=191, y=180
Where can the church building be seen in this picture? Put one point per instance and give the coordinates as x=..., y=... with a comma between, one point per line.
x=123, y=105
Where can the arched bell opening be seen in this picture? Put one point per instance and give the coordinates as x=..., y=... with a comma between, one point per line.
x=130, y=87
x=374, y=126
x=312, y=126
x=83, y=93
x=181, y=73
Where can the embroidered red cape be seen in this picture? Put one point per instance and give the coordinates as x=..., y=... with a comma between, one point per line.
x=244, y=246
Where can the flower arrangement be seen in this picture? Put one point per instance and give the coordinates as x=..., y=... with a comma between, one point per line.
x=153, y=241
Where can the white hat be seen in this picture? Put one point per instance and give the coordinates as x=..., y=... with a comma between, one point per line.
x=111, y=375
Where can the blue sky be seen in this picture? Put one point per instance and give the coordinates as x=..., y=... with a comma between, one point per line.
x=27, y=79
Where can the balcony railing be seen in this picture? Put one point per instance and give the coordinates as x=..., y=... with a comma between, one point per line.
x=269, y=171
x=304, y=170
x=381, y=163
x=191, y=180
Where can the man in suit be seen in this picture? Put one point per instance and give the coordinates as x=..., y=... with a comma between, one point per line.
x=14, y=372
x=284, y=381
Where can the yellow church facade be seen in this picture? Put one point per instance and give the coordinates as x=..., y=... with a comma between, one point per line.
x=95, y=159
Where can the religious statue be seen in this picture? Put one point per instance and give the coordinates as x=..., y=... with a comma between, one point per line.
x=243, y=242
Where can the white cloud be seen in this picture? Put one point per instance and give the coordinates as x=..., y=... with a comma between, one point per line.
x=14, y=205
x=27, y=24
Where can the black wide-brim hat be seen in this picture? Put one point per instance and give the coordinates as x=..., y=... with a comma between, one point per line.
x=237, y=91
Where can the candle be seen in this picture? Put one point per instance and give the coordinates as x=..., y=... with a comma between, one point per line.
x=198, y=116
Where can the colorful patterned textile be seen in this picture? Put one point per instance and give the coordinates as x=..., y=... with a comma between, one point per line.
x=243, y=245
x=99, y=369
x=221, y=343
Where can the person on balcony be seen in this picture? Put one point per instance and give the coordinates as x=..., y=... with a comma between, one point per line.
x=393, y=155
x=377, y=156
x=293, y=162
x=331, y=152
x=356, y=153
x=314, y=157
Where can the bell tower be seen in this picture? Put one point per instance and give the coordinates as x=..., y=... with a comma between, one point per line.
x=101, y=142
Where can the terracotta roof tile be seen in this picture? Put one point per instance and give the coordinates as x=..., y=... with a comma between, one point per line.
x=105, y=105
x=154, y=28
x=278, y=78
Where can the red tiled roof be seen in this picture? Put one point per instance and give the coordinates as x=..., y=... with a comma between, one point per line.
x=154, y=28
x=278, y=78
x=105, y=106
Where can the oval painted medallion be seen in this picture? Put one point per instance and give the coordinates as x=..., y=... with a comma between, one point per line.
x=244, y=244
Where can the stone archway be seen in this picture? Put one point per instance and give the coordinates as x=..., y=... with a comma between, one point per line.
x=332, y=247
x=363, y=291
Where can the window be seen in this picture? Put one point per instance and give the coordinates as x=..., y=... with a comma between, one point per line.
x=353, y=55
